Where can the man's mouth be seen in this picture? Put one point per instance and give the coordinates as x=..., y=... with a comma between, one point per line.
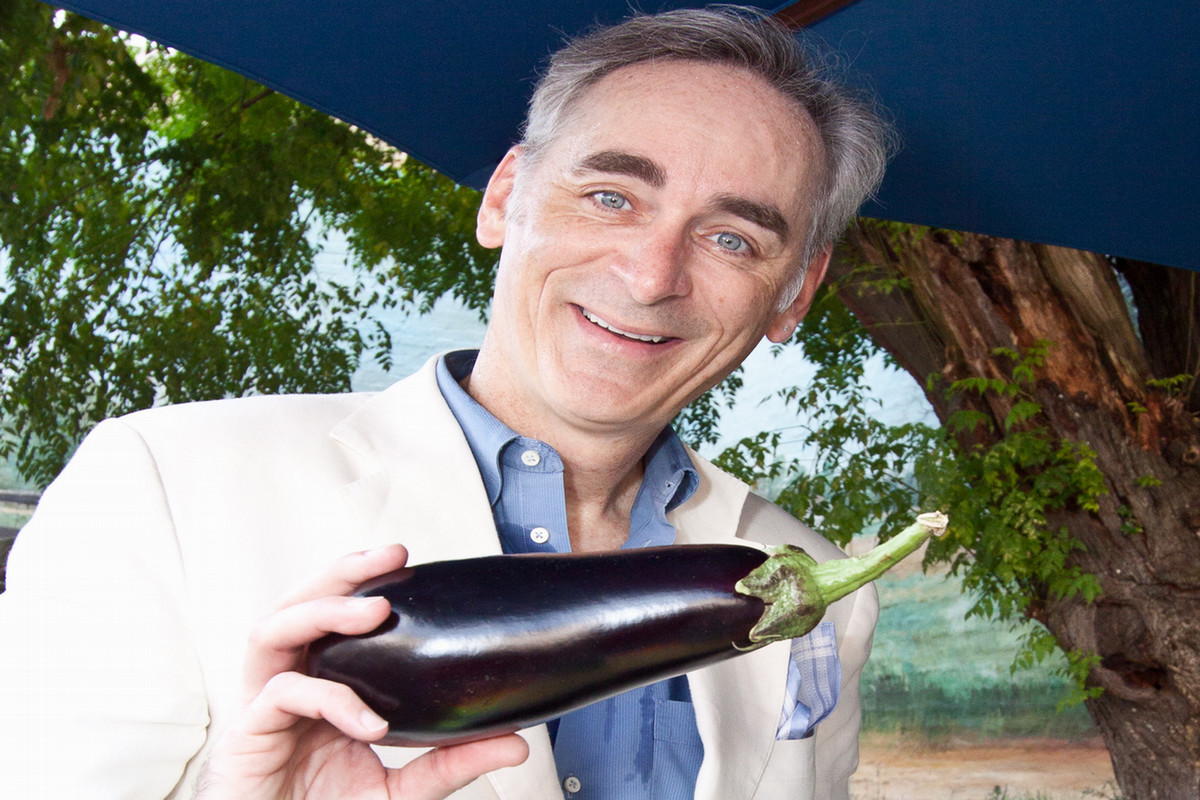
x=637, y=337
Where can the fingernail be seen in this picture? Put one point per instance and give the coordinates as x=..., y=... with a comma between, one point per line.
x=372, y=721
x=362, y=602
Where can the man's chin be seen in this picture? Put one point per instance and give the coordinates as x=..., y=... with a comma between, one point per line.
x=613, y=406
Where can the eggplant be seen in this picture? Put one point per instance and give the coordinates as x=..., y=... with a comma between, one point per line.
x=483, y=646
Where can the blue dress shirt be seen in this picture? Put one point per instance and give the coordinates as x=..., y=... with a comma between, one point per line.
x=643, y=744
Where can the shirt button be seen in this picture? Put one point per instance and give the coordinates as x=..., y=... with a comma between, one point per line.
x=539, y=535
x=530, y=458
x=572, y=784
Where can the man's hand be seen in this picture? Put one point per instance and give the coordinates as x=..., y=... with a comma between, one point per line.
x=300, y=737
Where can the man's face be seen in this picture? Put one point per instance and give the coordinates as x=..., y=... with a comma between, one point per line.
x=646, y=250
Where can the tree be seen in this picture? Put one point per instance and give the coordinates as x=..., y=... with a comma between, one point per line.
x=1069, y=461
x=158, y=220
x=159, y=217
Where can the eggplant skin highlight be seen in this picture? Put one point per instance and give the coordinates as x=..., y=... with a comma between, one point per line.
x=483, y=646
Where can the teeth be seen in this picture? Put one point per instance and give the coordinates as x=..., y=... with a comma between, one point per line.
x=635, y=336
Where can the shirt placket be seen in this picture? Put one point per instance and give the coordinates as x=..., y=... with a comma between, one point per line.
x=532, y=507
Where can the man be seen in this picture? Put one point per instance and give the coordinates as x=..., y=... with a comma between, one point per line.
x=673, y=200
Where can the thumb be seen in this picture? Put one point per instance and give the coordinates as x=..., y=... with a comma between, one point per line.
x=445, y=770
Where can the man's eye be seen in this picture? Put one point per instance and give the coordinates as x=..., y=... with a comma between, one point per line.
x=611, y=200
x=730, y=241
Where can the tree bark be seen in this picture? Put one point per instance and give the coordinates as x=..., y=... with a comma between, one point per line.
x=964, y=295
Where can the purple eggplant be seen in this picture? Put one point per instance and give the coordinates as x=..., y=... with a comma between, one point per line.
x=483, y=646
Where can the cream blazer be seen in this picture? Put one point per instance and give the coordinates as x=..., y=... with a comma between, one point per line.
x=133, y=589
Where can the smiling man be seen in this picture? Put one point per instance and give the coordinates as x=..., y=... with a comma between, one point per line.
x=674, y=199
x=646, y=250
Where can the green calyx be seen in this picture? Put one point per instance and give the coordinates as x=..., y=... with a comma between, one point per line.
x=797, y=590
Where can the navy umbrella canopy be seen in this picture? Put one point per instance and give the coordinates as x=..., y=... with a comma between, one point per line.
x=444, y=80
x=1070, y=123
x=1073, y=122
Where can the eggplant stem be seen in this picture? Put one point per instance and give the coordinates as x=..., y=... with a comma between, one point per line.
x=841, y=576
x=797, y=590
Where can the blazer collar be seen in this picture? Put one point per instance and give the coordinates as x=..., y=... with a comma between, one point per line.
x=712, y=513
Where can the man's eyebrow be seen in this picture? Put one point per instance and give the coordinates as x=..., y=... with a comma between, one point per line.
x=761, y=214
x=621, y=163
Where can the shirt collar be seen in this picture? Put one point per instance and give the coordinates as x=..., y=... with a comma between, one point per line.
x=670, y=477
x=486, y=435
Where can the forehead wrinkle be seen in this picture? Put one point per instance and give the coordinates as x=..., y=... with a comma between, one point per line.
x=763, y=215
x=618, y=162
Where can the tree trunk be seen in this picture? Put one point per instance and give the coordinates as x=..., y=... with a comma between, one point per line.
x=964, y=296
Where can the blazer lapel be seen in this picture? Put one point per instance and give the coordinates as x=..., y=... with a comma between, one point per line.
x=422, y=487
x=738, y=702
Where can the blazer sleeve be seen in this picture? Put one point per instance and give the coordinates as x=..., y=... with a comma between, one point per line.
x=102, y=691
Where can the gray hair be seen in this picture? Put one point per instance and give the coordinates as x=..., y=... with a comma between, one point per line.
x=856, y=141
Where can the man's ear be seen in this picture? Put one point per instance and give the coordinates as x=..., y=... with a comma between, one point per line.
x=785, y=323
x=492, y=219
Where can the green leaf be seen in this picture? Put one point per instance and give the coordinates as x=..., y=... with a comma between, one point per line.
x=1021, y=412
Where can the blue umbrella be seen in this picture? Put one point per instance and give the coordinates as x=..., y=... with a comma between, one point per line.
x=1070, y=123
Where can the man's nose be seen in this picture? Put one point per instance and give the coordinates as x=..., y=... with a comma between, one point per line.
x=655, y=266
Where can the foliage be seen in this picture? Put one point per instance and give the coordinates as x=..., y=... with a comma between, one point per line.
x=859, y=478
x=697, y=424
x=1174, y=386
x=860, y=475
x=159, y=218
x=1002, y=497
